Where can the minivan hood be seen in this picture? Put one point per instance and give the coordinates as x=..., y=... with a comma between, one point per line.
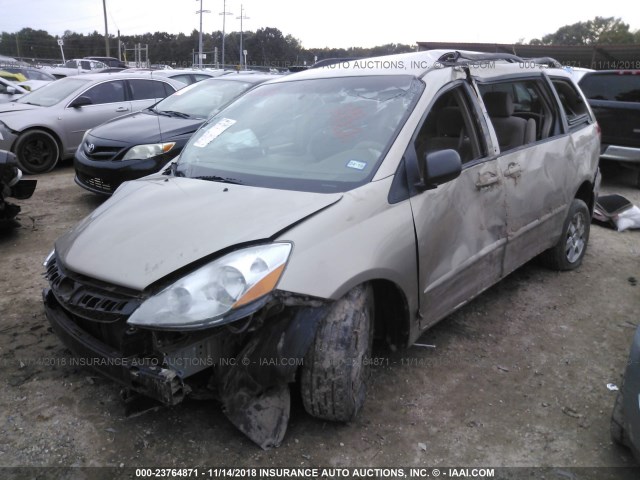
x=145, y=127
x=152, y=227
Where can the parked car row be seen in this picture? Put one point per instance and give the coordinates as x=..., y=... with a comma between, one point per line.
x=48, y=124
x=315, y=212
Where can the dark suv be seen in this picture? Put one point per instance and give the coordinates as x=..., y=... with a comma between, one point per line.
x=614, y=96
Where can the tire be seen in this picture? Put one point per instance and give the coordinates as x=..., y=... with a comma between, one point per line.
x=334, y=376
x=37, y=151
x=618, y=434
x=568, y=253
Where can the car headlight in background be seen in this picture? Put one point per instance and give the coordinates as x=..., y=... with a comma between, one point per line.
x=84, y=137
x=148, y=151
x=203, y=297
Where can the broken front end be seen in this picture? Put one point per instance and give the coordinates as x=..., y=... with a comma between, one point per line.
x=162, y=345
x=12, y=185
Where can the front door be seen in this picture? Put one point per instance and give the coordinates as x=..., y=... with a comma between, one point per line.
x=460, y=226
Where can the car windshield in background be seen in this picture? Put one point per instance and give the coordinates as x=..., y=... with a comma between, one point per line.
x=325, y=135
x=201, y=99
x=54, y=92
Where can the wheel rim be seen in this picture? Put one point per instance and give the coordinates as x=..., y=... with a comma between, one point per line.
x=37, y=153
x=575, y=238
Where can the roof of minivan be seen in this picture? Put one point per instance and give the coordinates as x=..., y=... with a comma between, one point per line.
x=418, y=63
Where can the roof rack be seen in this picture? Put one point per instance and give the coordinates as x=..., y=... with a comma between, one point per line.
x=464, y=58
x=548, y=61
x=461, y=58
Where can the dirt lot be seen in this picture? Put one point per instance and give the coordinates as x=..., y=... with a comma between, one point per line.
x=517, y=378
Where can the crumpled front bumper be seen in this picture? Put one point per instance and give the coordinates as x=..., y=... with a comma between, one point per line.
x=144, y=377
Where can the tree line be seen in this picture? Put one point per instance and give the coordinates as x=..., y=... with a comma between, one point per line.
x=599, y=31
x=265, y=47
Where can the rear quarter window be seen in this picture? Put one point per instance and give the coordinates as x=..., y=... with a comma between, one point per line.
x=573, y=106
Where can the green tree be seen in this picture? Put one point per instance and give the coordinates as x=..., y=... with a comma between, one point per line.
x=599, y=31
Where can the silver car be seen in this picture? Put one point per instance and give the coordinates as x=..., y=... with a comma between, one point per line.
x=48, y=124
x=365, y=199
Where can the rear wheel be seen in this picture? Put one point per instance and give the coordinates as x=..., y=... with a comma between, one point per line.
x=37, y=151
x=568, y=253
x=336, y=367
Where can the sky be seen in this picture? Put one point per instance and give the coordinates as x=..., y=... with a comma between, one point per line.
x=327, y=23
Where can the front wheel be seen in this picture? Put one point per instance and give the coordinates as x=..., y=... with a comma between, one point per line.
x=37, y=151
x=568, y=253
x=336, y=367
x=618, y=433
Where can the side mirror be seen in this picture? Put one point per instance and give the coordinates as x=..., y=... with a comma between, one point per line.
x=440, y=167
x=11, y=90
x=81, y=101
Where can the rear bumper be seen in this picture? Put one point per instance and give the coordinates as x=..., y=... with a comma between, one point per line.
x=140, y=375
x=620, y=154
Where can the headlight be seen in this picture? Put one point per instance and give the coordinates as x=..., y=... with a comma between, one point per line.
x=84, y=137
x=147, y=151
x=45, y=264
x=201, y=298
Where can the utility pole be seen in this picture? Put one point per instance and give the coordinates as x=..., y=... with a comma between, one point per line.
x=106, y=30
x=241, y=17
x=224, y=14
x=201, y=11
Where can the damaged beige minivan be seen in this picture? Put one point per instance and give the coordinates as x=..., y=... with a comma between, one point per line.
x=362, y=199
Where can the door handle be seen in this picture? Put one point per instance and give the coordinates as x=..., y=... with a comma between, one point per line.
x=486, y=179
x=122, y=109
x=513, y=170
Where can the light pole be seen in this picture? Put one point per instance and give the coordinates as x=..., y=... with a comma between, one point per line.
x=224, y=14
x=106, y=31
x=201, y=11
x=242, y=17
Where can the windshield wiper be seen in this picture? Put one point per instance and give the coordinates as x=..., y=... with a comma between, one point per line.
x=173, y=113
x=158, y=112
x=216, y=178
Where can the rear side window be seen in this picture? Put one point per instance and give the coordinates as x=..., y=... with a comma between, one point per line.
x=184, y=78
x=572, y=104
x=617, y=87
x=147, y=89
x=521, y=111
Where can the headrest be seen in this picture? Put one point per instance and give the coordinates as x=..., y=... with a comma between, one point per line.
x=499, y=104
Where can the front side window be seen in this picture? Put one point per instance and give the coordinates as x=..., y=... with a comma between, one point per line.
x=452, y=125
x=323, y=135
x=107, y=92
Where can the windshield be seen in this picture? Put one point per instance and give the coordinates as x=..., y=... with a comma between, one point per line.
x=53, y=92
x=203, y=98
x=323, y=135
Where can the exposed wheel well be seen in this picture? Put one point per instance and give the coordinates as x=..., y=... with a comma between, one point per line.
x=391, y=314
x=585, y=193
